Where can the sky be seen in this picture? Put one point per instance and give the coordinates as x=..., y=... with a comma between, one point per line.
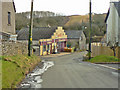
x=65, y=7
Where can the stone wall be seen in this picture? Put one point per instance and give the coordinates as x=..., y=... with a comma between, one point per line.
x=13, y=48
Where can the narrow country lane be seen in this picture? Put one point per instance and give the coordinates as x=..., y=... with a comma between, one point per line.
x=70, y=72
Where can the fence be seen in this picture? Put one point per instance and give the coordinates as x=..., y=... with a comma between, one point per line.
x=103, y=49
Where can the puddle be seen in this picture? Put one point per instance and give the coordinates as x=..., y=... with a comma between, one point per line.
x=34, y=79
x=115, y=74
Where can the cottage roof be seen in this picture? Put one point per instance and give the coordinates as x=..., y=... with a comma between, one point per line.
x=117, y=6
x=37, y=33
x=73, y=34
x=107, y=15
x=46, y=33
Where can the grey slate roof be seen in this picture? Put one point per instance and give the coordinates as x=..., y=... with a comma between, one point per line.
x=107, y=15
x=46, y=33
x=73, y=34
x=38, y=33
x=117, y=5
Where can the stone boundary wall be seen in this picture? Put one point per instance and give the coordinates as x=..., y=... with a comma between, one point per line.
x=13, y=47
x=103, y=49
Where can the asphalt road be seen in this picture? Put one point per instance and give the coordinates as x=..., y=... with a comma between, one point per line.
x=70, y=72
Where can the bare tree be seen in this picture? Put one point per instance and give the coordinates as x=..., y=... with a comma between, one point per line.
x=113, y=46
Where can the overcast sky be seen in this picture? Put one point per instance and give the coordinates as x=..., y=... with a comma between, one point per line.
x=66, y=7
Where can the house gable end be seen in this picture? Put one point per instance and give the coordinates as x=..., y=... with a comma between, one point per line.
x=59, y=33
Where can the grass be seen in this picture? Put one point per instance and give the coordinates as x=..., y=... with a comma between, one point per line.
x=14, y=69
x=77, y=19
x=11, y=74
x=103, y=58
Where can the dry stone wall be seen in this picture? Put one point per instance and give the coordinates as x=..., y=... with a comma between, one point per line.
x=13, y=48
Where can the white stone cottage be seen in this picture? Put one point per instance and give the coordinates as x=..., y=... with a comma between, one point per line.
x=113, y=23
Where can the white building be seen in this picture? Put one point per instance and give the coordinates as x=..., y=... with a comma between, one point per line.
x=113, y=23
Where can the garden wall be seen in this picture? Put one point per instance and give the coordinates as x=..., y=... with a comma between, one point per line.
x=13, y=48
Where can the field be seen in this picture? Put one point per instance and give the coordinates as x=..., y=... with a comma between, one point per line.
x=77, y=19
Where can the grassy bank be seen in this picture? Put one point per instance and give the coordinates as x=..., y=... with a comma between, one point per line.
x=103, y=58
x=14, y=69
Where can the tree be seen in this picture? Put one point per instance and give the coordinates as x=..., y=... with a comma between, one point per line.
x=113, y=47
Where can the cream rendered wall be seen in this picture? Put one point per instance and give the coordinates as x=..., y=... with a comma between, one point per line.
x=8, y=7
x=82, y=43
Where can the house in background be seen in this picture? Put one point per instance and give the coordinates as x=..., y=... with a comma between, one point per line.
x=45, y=40
x=113, y=23
x=104, y=40
x=48, y=40
x=76, y=38
x=82, y=41
x=37, y=34
x=7, y=17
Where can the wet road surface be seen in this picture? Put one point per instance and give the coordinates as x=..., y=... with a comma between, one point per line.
x=70, y=71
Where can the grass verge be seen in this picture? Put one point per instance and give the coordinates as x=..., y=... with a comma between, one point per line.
x=14, y=69
x=103, y=59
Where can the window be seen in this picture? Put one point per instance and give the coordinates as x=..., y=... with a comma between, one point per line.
x=9, y=18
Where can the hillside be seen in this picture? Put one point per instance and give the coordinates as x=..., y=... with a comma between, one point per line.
x=74, y=22
x=77, y=19
x=40, y=19
x=81, y=22
x=85, y=19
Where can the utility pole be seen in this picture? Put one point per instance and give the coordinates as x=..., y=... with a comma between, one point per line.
x=90, y=21
x=30, y=30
